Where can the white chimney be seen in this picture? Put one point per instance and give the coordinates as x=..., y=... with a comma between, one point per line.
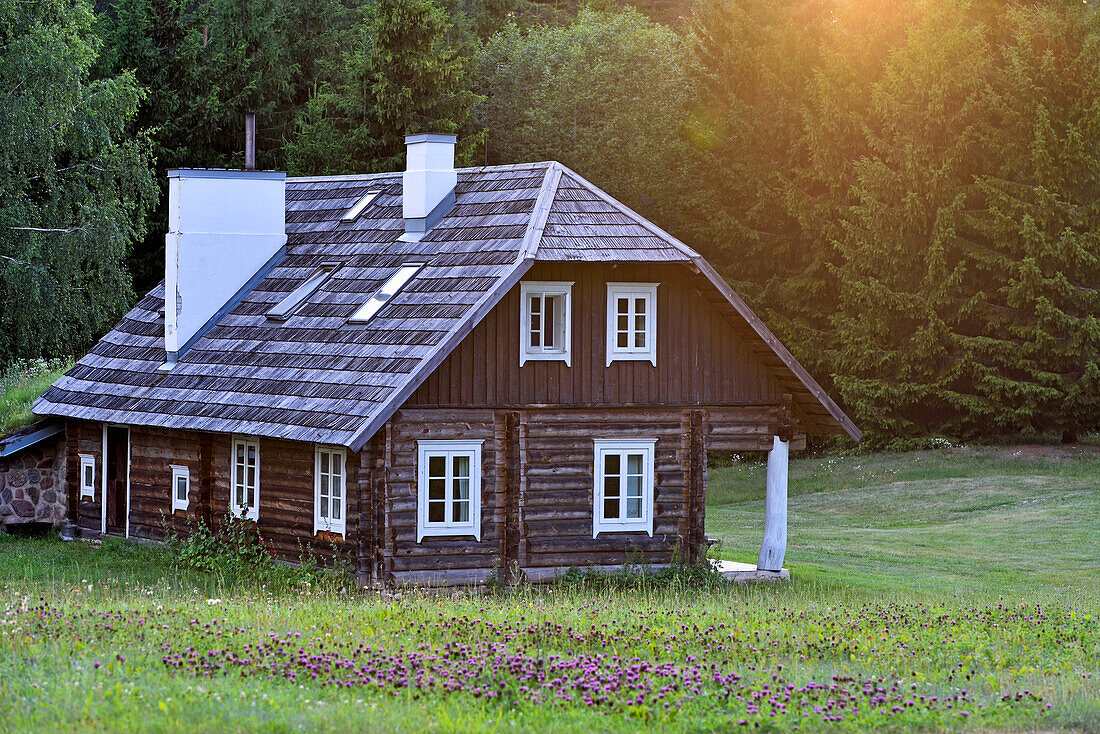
x=225, y=229
x=428, y=182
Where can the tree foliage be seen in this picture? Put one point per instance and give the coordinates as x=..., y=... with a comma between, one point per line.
x=75, y=182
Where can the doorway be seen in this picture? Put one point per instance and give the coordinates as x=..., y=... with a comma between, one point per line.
x=118, y=465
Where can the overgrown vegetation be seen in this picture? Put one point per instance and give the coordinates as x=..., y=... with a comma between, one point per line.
x=20, y=384
x=915, y=605
x=237, y=551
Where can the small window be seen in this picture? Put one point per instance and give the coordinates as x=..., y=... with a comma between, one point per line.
x=448, y=495
x=632, y=322
x=244, y=493
x=623, y=493
x=545, y=321
x=388, y=290
x=329, y=501
x=87, y=475
x=360, y=205
x=285, y=308
x=181, y=487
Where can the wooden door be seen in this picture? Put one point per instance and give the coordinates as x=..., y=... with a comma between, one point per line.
x=118, y=461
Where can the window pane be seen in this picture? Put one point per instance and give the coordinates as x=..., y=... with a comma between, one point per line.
x=324, y=485
x=461, y=512
x=240, y=453
x=611, y=464
x=181, y=488
x=633, y=486
x=549, y=322
x=336, y=488
x=611, y=486
x=240, y=475
x=251, y=476
x=624, y=323
x=324, y=506
x=436, y=512
x=639, y=339
x=462, y=467
x=88, y=476
x=252, y=456
x=634, y=463
x=639, y=306
x=622, y=306
x=437, y=466
x=335, y=509
x=634, y=508
x=623, y=341
x=437, y=488
x=324, y=462
x=462, y=489
x=611, y=508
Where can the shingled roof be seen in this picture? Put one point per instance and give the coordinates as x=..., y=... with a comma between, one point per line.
x=317, y=376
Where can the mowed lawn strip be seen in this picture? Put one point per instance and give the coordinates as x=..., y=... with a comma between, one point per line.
x=968, y=521
x=883, y=628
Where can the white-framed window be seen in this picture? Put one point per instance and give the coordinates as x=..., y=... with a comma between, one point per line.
x=329, y=491
x=623, y=493
x=181, y=487
x=87, y=475
x=244, y=489
x=448, y=488
x=632, y=322
x=545, y=329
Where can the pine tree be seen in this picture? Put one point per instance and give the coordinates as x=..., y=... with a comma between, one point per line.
x=401, y=76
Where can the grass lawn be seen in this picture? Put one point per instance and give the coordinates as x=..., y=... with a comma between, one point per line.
x=950, y=590
x=20, y=384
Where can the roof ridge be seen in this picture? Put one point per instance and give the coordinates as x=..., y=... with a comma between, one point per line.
x=536, y=225
x=534, y=165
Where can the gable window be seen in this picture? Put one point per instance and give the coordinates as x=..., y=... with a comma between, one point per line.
x=632, y=322
x=244, y=492
x=329, y=500
x=388, y=290
x=545, y=316
x=448, y=488
x=623, y=493
x=87, y=475
x=181, y=487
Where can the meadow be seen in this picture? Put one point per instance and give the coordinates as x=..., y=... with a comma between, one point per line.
x=951, y=590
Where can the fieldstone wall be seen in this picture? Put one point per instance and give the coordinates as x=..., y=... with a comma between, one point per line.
x=32, y=485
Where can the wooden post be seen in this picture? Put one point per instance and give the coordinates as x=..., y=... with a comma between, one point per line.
x=774, y=545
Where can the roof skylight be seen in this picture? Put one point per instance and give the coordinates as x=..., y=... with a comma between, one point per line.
x=388, y=290
x=286, y=307
x=360, y=205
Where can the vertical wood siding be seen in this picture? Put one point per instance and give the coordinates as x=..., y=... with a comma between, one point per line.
x=700, y=358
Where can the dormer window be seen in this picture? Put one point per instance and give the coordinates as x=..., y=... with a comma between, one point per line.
x=545, y=316
x=353, y=213
x=388, y=290
x=632, y=322
x=285, y=308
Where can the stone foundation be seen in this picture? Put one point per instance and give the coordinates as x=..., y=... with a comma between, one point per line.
x=32, y=485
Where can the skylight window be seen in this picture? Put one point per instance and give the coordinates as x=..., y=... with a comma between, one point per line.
x=360, y=205
x=388, y=290
x=286, y=307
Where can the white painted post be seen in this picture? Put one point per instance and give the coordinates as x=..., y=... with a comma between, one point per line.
x=774, y=545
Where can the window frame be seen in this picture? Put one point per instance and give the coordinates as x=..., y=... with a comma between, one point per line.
x=244, y=512
x=624, y=446
x=631, y=353
x=180, y=472
x=327, y=524
x=544, y=288
x=448, y=448
x=87, y=489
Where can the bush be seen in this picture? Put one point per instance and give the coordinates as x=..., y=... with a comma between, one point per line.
x=237, y=550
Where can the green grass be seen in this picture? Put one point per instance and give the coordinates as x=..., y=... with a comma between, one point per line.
x=937, y=572
x=20, y=385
